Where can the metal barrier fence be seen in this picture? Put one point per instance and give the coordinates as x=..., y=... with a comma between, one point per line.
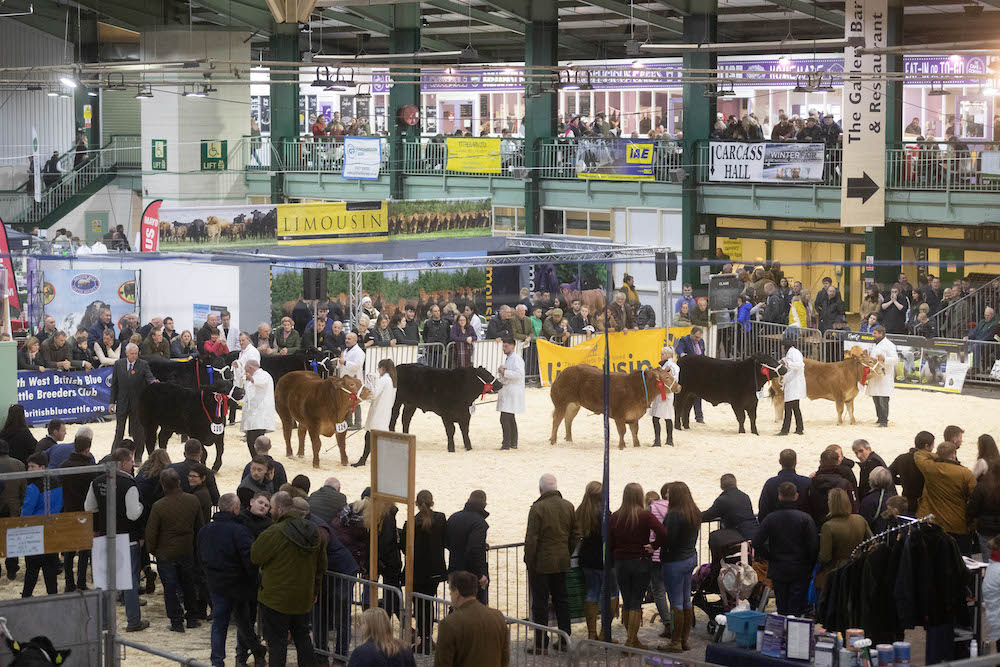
x=591, y=653
x=982, y=355
x=937, y=166
x=187, y=662
x=955, y=320
x=79, y=629
x=337, y=613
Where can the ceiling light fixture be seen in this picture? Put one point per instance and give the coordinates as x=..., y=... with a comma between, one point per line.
x=803, y=84
x=92, y=92
x=723, y=88
x=51, y=92
x=144, y=92
x=939, y=91
x=116, y=85
x=322, y=80
x=70, y=81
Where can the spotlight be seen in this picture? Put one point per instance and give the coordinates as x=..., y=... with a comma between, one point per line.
x=144, y=92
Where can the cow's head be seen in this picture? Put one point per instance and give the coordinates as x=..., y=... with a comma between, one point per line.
x=355, y=388
x=866, y=364
x=489, y=382
x=215, y=401
x=37, y=652
x=765, y=369
x=663, y=379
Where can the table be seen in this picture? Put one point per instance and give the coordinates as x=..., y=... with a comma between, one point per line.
x=734, y=656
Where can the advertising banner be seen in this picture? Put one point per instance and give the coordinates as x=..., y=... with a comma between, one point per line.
x=337, y=222
x=474, y=155
x=362, y=158
x=150, y=229
x=615, y=159
x=75, y=298
x=765, y=162
x=433, y=218
x=73, y=396
x=927, y=364
x=8, y=270
x=629, y=351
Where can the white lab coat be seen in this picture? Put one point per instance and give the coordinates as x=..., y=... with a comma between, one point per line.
x=383, y=398
x=233, y=337
x=249, y=354
x=510, y=398
x=664, y=409
x=354, y=363
x=477, y=326
x=885, y=384
x=258, y=403
x=794, y=381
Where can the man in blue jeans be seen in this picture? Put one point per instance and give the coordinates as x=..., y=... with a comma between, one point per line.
x=128, y=512
x=224, y=552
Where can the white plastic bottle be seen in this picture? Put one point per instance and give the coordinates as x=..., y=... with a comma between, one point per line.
x=973, y=649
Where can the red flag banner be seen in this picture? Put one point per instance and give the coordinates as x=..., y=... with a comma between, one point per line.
x=9, y=267
x=150, y=233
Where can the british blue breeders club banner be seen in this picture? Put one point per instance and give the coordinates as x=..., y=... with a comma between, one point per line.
x=615, y=159
x=74, y=396
x=765, y=162
x=75, y=297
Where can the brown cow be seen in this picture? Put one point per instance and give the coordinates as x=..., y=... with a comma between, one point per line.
x=582, y=385
x=837, y=381
x=593, y=299
x=306, y=401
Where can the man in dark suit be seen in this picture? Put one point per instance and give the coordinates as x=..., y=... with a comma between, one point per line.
x=129, y=377
x=693, y=344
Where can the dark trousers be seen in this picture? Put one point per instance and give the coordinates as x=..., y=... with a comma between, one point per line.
x=509, y=426
x=276, y=626
x=633, y=580
x=333, y=613
x=82, y=560
x=424, y=611
x=965, y=544
x=252, y=438
x=881, y=408
x=670, y=429
x=224, y=609
x=49, y=566
x=368, y=450
x=134, y=430
x=699, y=416
x=791, y=597
x=792, y=408
x=544, y=586
x=178, y=579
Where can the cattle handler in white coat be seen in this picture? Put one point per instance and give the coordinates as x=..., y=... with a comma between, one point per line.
x=510, y=398
x=664, y=408
x=880, y=387
x=258, y=403
x=792, y=370
x=352, y=362
x=248, y=353
x=380, y=413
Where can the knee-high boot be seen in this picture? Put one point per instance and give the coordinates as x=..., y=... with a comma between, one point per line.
x=590, y=611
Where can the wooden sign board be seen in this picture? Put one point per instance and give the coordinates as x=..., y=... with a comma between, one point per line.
x=46, y=534
x=394, y=463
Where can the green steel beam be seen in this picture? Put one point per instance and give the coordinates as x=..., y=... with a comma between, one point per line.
x=477, y=14
x=808, y=8
x=365, y=19
x=123, y=13
x=518, y=9
x=623, y=9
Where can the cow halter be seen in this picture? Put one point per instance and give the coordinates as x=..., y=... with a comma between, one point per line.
x=354, y=398
x=868, y=370
x=487, y=387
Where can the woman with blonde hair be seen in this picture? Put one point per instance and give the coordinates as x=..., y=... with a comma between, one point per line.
x=628, y=536
x=379, y=647
x=589, y=521
x=429, y=570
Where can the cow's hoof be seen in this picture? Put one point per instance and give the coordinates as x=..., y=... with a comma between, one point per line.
x=782, y=433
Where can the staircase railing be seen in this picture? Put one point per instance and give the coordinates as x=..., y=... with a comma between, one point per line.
x=958, y=317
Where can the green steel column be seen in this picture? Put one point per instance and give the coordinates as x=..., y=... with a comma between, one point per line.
x=541, y=49
x=701, y=25
x=86, y=52
x=283, y=46
x=405, y=91
x=885, y=243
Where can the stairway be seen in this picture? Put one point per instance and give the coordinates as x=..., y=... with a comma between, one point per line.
x=956, y=320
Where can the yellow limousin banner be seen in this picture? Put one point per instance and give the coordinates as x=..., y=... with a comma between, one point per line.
x=474, y=155
x=629, y=351
x=332, y=222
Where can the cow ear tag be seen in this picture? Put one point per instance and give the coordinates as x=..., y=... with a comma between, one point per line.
x=218, y=429
x=341, y=427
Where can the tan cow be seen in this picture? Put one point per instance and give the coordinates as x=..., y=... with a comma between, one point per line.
x=837, y=381
x=631, y=394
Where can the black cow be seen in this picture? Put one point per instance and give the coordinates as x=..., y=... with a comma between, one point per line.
x=191, y=374
x=197, y=413
x=278, y=365
x=39, y=651
x=448, y=393
x=722, y=381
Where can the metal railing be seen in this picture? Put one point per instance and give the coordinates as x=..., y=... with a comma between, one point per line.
x=591, y=653
x=982, y=355
x=160, y=653
x=430, y=158
x=938, y=166
x=559, y=159
x=337, y=612
x=958, y=317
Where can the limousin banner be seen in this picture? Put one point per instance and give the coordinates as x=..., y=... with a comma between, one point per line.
x=765, y=162
x=321, y=223
x=74, y=396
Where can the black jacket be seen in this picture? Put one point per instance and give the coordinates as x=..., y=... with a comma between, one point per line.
x=75, y=487
x=22, y=444
x=498, y=328
x=981, y=508
x=873, y=504
x=831, y=310
x=126, y=386
x=428, y=550
x=224, y=554
x=437, y=331
x=255, y=524
x=774, y=309
x=327, y=502
x=823, y=482
x=769, y=494
x=301, y=314
x=790, y=540
x=905, y=473
x=873, y=461
x=280, y=476
x=149, y=490
x=184, y=467
x=25, y=364
x=735, y=510
x=467, y=540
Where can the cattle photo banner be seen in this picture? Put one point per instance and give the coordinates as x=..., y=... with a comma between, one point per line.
x=629, y=351
x=924, y=363
x=615, y=159
x=75, y=298
x=765, y=162
x=74, y=396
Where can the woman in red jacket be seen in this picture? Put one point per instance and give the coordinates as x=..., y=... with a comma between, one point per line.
x=629, y=543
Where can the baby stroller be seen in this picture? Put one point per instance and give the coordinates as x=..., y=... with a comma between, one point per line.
x=728, y=547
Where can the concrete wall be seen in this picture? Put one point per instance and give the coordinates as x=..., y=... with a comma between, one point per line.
x=122, y=205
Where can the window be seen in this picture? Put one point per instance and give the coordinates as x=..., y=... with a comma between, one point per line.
x=508, y=219
x=552, y=222
x=594, y=224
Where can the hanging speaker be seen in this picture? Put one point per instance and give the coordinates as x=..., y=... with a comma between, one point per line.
x=314, y=283
x=661, y=267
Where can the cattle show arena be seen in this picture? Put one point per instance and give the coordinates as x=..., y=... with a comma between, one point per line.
x=510, y=478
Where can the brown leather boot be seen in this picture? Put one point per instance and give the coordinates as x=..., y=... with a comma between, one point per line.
x=590, y=611
x=613, y=610
x=688, y=624
x=676, y=632
x=634, y=620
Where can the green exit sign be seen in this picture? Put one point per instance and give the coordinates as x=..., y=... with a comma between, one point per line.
x=159, y=154
x=214, y=155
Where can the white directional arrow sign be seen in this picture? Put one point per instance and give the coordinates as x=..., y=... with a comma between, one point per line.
x=862, y=189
